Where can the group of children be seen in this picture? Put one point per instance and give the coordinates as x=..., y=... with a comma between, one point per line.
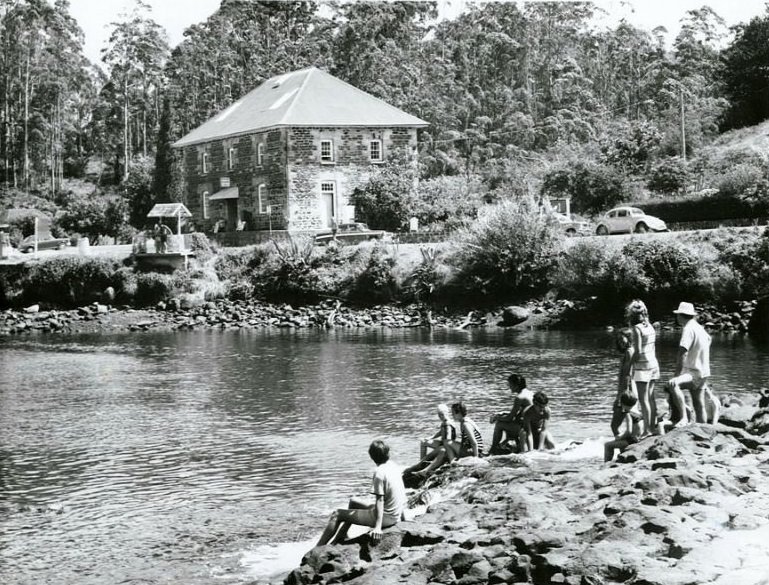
x=524, y=428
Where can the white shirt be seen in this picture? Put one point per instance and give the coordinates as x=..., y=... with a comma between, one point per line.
x=696, y=341
x=388, y=483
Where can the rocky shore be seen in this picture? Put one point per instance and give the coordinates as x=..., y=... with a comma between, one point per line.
x=690, y=507
x=180, y=314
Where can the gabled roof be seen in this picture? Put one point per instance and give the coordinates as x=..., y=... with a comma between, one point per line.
x=306, y=98
x=169, y=210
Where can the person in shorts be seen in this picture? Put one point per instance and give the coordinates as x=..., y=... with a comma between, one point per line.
x=389, y=501
x=692, y=364
x=644, y=366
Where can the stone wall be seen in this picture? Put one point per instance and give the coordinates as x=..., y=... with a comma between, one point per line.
x=292, y=172
x=351, y=168
x=245, y=174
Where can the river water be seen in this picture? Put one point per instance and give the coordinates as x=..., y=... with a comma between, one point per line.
x=215, y=456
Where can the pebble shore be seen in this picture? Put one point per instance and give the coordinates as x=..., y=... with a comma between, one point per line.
x=224, y=314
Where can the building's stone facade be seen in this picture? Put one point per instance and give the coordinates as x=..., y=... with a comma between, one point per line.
x=292, y=173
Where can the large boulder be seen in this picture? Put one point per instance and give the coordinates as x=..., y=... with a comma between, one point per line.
x=514, y=315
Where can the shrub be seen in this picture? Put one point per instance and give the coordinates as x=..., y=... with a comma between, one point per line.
x=71, y=281
x=510, y=251
x=240, y=269
x=376, y=283
x=21, y=227
x=291, y=275
x=426, y=279
x=590, y=268
x=385, y=200
x=741, y=179
x=592, y=188
x=93, y=216
x=670, y=270
x=447, y=202
x=154, y=287
x=747, y=254
x=669, y=175
x=201, y=245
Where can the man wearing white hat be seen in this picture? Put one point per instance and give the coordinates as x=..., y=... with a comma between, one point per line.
x=693, y=363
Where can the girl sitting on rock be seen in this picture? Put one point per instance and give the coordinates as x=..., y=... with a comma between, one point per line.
x=470, y=442
x=633, y=423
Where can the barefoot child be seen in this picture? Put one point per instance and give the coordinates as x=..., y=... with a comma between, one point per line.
x=624, y=380
x=674, y=417
x=470, y=443
x=429, y=448
x=387, y=509
x=633, y=422
x=536, y=421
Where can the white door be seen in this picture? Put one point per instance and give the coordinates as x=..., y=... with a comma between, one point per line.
x=327, y=203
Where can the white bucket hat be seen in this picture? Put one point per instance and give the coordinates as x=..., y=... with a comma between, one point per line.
x=686, y=309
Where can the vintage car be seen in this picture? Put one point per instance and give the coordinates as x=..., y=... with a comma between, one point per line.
x=628, y=220
x=573, y=227
x=352, y=233
x=28, y=244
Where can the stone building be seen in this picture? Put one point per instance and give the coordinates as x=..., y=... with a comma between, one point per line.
x=288, y=155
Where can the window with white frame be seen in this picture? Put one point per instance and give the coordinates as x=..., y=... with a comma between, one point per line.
x=375, y=150
x=232, y=154
x=204, y=166
x=326, y=151
x=260, y=154
x=261, y=198
x=204, y=203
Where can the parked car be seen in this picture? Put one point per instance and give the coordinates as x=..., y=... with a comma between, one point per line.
x=573, y=227
x=28, y=244
x=352, y=233
x=627, y=220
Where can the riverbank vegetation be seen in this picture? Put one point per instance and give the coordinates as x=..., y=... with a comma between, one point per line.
x=514, y=254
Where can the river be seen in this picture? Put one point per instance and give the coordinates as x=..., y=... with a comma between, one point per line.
x=215, y=456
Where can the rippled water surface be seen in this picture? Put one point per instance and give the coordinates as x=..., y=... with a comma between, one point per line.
x=179, y=457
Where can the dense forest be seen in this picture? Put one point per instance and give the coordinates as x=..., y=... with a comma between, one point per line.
x=532, y=99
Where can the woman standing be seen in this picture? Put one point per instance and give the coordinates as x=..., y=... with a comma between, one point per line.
x=645, y=368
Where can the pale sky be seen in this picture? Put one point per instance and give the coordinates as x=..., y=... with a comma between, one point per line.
x=95, y=16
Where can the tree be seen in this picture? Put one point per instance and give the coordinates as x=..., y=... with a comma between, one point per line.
x=93, y=216
x=745, y=75
x=135, y=54
x=42, y=73
x=592, y=188
x=384, y=201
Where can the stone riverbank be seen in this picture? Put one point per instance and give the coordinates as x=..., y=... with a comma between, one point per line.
x=690, y=507
x=224, y=314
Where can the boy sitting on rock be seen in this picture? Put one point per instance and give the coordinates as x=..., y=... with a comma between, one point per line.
x=387, y=509
x=535, y=421
x=633, y=420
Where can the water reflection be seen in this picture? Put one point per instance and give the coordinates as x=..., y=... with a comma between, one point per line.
x=157, y=456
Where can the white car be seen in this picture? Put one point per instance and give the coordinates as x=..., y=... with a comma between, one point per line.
x=628, y=220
